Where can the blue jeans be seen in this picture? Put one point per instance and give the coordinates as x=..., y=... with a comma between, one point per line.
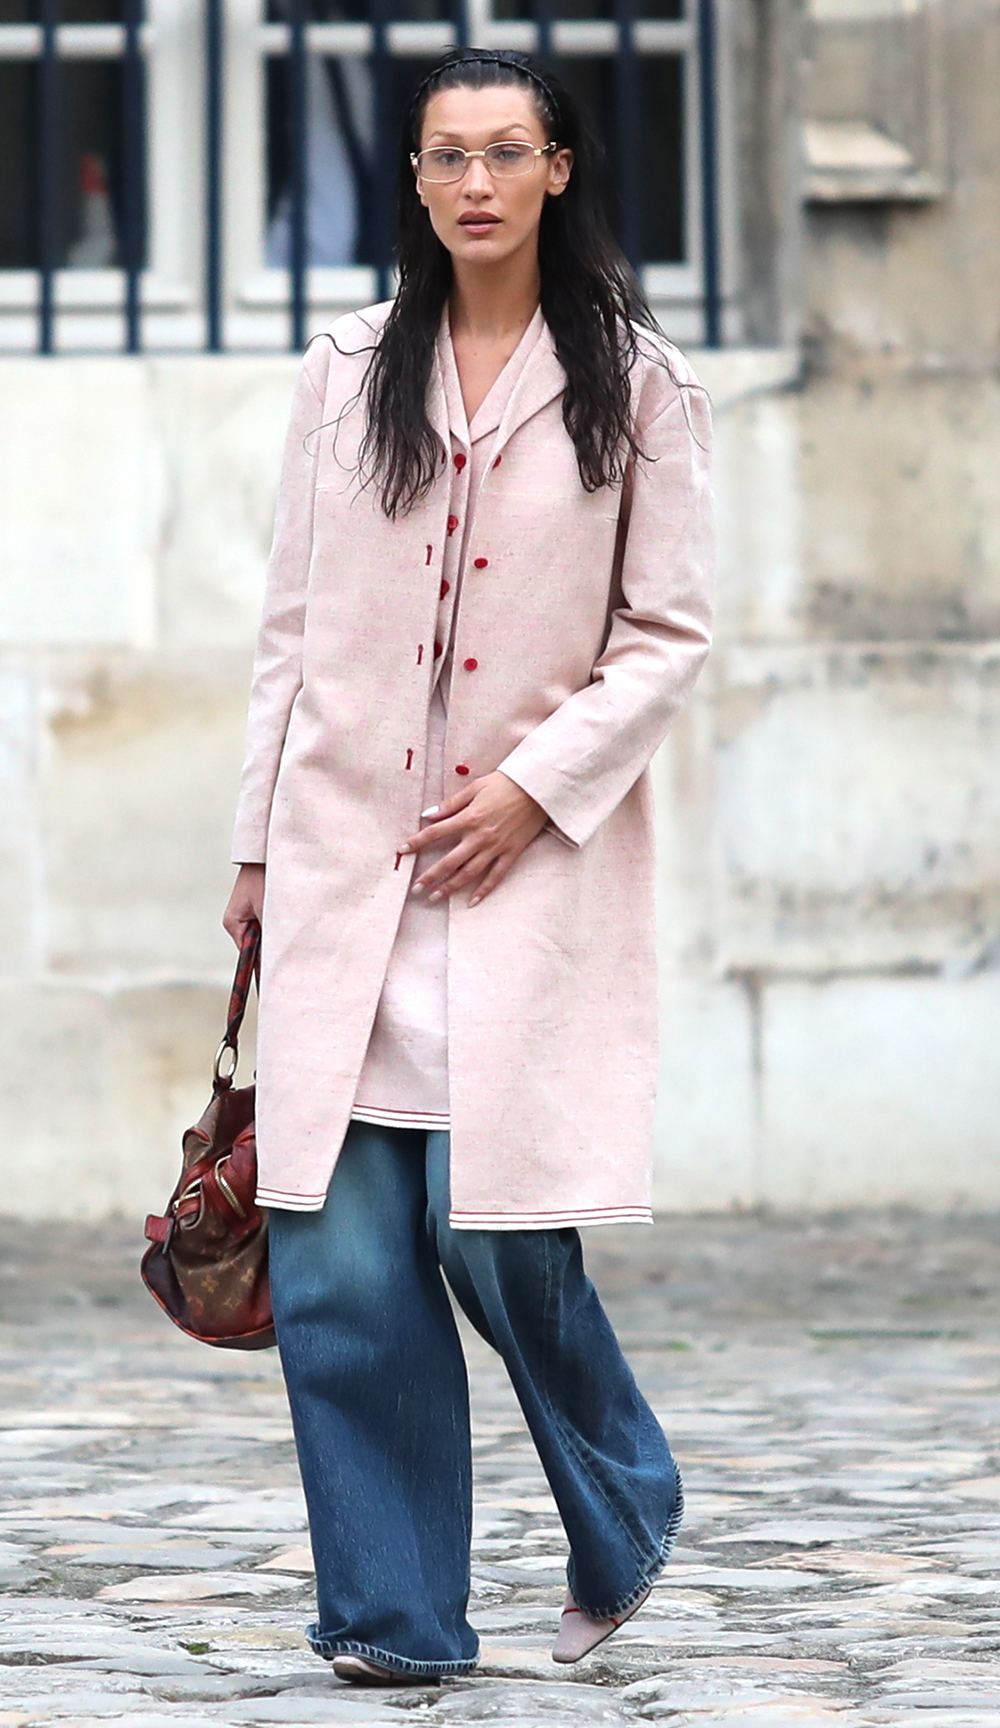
x=379, y=1398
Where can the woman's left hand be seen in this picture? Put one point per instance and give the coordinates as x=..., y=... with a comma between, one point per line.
x=491, y=822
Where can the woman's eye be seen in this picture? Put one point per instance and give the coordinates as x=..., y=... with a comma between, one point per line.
x=447, y=158
x=510, y=152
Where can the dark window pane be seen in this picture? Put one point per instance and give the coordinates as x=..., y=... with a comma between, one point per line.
x=16, y=202
x=359, y=11
x=418, y=11
x=347, y=162
x=569, y=9
x=339, y=161
x=67, y=12
x=89, y=152
x=661, y=171
x=657, y=173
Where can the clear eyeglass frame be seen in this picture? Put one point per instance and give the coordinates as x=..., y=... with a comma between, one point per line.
x=520, y=160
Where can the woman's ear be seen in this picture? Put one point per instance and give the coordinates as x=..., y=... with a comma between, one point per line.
x=560, y=169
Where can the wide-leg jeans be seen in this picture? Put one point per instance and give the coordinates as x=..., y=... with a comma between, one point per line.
x=379, y=1399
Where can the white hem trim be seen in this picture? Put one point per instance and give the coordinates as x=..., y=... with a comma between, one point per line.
x=290, y=1202
x=484, y=1220
x=551, y=1220
x=439, y=1119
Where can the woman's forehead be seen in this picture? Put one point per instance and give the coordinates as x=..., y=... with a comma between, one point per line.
x=472, y=117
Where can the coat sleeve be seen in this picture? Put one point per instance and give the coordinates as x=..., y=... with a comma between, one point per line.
x=579, y=762
x=277, y=671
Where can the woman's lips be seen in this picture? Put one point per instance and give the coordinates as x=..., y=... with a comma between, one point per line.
x=479, y=224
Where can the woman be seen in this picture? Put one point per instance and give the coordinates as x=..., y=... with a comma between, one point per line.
x=486, y=603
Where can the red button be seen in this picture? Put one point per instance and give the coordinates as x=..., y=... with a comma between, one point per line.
x=480, y=563
x=452, y=524
x=461, y=768
x=444, y=588
x=438, y=649
x=470, y=665
x=460, y=461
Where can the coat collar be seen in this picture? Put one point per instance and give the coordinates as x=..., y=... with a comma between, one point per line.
x=437, y=401
x=541, y=379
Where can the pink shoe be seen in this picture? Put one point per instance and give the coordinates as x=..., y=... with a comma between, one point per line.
x=578, y=1634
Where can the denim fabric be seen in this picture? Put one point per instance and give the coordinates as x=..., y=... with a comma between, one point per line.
x=379, y=1398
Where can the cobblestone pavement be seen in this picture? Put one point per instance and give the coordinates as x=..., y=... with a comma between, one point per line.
x=831, y=1389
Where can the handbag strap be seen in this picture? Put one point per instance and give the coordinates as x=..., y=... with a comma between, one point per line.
x=247, y=969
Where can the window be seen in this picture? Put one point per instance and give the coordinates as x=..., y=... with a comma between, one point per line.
x=114, y=194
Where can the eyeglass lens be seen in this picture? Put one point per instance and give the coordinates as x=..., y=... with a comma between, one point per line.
x=446, y=163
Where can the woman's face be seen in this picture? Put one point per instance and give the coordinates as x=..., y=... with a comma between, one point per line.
x=480, y=219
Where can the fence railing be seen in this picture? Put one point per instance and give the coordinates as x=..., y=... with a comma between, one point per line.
x=51, y=44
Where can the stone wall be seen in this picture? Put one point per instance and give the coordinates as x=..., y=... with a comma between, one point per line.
x=832, y=811
x=828, y=805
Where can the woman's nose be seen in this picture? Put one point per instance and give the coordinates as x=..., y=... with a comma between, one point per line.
x=478, y=178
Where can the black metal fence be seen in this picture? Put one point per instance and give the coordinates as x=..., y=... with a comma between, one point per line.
x=48, y=126
x=632, y=182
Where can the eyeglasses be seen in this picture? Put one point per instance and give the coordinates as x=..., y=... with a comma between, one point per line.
x=446, y=163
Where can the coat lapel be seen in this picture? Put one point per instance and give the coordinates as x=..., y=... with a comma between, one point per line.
x=542, y=379
x=437, y=401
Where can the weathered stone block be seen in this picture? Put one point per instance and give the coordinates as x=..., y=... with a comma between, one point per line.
x=222, y=421
x=683, y=776
x=858, y=806
x=881, y=1091
x=19, y=907
x=81, y=504
x=139, y=783
x=706, y=1114
x=97, y=1092
x=859, y=510
x=759, y=505
x=54, y=1102
x=900, y=507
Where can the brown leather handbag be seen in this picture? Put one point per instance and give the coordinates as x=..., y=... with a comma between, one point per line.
x=207, y=1263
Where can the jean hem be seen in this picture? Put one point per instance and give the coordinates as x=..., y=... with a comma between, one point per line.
x=626, y=1603
x=328, y=1648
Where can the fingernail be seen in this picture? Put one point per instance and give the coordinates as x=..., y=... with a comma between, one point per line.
x=475, y=900
x=417, y=888
x=436, y=895
x=403, y=850
x=432, y=811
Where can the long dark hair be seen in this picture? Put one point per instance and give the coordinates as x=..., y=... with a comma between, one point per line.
x=590, y=299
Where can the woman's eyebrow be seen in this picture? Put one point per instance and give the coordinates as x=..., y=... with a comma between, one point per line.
x=497, y=136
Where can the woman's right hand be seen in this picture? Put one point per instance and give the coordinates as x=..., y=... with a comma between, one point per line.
x=246, y=902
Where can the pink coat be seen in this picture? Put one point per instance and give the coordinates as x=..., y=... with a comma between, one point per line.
x=588, y=624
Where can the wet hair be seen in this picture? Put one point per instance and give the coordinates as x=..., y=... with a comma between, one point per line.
x=590, y=299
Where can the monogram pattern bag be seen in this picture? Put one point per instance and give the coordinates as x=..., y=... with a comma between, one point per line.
x=207, y=1261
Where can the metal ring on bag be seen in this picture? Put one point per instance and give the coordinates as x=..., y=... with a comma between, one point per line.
x=219, y=1054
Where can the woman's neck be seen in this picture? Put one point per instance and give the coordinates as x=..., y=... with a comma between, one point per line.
x=492, y=302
